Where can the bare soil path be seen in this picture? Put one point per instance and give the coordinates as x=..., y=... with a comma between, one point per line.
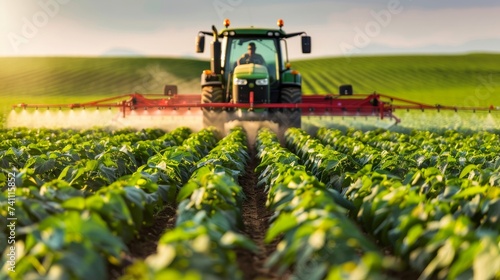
x=145, y=245
x=256, y=222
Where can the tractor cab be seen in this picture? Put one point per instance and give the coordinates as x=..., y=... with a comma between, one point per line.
x=261, y=51
x=250, y=65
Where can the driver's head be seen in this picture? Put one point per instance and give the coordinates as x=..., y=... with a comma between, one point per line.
x=251, y=48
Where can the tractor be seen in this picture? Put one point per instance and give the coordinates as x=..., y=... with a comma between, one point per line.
x=250, y=66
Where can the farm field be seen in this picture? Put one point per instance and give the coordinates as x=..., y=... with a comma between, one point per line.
x=339, y=198
x=462, y=80
x=69, y=79
x=351, y=204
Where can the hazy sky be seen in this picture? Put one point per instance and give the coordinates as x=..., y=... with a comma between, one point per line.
x=168, y=28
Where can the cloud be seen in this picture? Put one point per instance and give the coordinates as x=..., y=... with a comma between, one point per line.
x=168, y=28
x=412, y=28
x=79, y=39
x=456, y=4
x=428, y=27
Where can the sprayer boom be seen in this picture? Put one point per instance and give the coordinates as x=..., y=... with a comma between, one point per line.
x=379, y=105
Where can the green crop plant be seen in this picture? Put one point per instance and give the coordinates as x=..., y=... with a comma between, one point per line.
x=66, y=226
x=432, y=198
x=317, y=240
x=202, y=244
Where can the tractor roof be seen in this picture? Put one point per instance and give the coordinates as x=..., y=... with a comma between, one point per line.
x=252, y=31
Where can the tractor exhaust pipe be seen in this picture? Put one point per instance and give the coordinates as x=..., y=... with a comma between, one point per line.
x=215, y=62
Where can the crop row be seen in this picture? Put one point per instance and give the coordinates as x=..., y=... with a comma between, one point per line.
x=88, y=160
x=440, y=224
x=454, y=154
x=318, y=240
x=65, y=231
x=203, y=243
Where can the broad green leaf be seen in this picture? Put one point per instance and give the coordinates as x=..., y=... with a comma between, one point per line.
x=167, y=193
x=469, y=192
x=234, y=240
x=135, y=196
x=443, y=259
x=83, y=262
x=462, y=267
x=74, y=203
x=187, y=190
x=284, y=223
x=465, y=172
x=109, y=173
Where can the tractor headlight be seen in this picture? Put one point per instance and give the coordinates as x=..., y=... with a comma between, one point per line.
x=240, y=82
x=262, y=82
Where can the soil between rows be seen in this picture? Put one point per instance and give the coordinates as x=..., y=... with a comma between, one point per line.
x=256, y=222
x=145, y=244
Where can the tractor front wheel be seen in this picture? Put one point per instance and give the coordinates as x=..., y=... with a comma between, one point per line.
x=212, y=116
x=212, y=94
x=291, y=117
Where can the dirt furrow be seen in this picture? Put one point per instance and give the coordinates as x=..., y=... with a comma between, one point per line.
x=256, y=222
x=145, y=244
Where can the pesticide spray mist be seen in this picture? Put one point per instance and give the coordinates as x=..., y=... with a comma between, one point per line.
x=110, y=119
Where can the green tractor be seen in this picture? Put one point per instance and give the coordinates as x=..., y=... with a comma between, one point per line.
x=250, y=66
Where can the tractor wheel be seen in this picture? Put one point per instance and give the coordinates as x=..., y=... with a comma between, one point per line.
x=290, y=117
x=211, y=94
x=212, y=116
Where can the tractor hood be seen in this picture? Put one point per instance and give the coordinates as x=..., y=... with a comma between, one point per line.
x=250, y=71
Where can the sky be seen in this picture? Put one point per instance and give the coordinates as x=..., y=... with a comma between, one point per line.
x=162, y=28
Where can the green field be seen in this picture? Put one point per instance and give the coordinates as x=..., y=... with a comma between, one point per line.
x=431, y=79
x=67, y=80
x=462, y=80
x=410, y=202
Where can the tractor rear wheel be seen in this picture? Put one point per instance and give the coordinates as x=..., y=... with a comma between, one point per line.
x=291, y=117
x=212, y=116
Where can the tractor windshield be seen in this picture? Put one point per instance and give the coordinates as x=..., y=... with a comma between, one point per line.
x=251, y=50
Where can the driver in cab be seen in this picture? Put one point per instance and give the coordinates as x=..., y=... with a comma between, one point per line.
x=251, y=56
